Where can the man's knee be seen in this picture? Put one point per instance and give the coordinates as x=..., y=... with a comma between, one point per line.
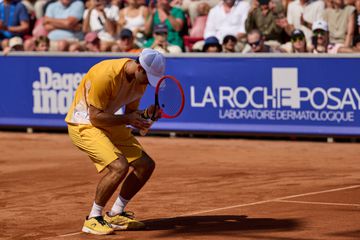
x=119, y=166
x=145, y=165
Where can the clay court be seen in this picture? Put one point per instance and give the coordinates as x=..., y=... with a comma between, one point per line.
x=201, y=189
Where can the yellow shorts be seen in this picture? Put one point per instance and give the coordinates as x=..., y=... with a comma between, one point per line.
x=104, y=145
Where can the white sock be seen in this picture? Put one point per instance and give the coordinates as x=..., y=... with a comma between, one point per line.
x=96, y=211
x=118, y=206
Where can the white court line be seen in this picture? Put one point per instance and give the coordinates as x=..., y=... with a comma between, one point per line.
x=271, y=200
x=319, y=192
x=242, y=205
x=63, y=235
x=319, y=203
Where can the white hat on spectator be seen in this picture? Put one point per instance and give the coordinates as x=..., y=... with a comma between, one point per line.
x=320, y=24
x=153, y=63
x=15, y=41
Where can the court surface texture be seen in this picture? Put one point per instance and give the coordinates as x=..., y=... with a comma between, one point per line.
x=201, y=189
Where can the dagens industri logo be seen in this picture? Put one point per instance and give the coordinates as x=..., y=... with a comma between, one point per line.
x=53, y=92
x=285, y=101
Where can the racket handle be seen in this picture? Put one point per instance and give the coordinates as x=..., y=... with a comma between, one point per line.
x=143, y=132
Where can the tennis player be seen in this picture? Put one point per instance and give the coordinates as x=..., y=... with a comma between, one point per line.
x=96, y=130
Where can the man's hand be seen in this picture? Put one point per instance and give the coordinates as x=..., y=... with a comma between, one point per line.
x=136, y=120
x=154, y=112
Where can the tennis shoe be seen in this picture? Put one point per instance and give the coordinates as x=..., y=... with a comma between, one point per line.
x=97, y=226
x=124, y=221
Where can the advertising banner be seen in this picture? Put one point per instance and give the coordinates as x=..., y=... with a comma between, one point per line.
x=292, y=95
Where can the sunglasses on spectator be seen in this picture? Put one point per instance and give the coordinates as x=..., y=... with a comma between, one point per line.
x=297, y=38
x=255, y=44
x=319, y=32
x=161, y=33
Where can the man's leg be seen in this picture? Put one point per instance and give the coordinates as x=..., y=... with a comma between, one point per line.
x=95, y=223
x=142, y=170
x=109, y=183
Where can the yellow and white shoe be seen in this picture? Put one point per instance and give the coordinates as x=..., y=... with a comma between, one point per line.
x=97, y=225
x=124, y=221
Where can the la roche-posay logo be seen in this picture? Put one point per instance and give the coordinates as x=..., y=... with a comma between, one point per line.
x=282, y=102
x=53, y=92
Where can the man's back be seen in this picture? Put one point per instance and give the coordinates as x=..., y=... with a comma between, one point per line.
x=105, y=87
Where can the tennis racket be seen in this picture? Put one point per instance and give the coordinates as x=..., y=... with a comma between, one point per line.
x=169, y=99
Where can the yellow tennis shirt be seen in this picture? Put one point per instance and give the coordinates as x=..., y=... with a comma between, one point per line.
x=105, y=87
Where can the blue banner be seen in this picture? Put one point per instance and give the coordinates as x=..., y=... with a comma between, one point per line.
x=295, y=95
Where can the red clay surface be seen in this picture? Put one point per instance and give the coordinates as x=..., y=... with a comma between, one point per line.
x=201, y=189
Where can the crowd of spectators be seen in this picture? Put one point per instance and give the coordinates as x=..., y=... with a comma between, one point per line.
x=176, y=26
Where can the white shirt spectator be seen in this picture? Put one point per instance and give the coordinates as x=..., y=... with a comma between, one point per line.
x=311, y=12
x=97, y=21
x=134, y=23
x=220, y=24
x=112, y=12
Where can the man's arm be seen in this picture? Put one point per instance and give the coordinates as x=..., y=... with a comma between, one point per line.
x=70, y=23
x=99, y=118
x=350, y=30
x=22, y=28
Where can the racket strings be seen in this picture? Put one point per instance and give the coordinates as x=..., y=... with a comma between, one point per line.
x=170, y=97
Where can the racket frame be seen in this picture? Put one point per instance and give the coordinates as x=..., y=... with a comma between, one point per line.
x=157, y=104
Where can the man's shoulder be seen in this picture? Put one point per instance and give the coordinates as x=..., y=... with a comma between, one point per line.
x=316, y=4
x=216, y=9
x=242, y=4
x=116, y=63
x=294, y=4
x=349, y=8
x=19, y=5
x=55, y=4
x=76, y=4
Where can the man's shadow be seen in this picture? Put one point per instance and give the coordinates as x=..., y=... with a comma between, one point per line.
x=219, y=225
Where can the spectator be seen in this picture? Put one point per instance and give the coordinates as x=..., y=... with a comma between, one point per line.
x=97, y=19
x=173, y=17
x=63, y=23
x=161, y=43
x=15, y=44
x=340, y=18
x=192, y=7
x=256, y=42
x=302, y=13
x=92, y=42
x=133, y=17
x=354, y=49
x=297, y=44
x=42, y=44
x=29, y=5
x=14, y=20
x=198, y=27
x=39, y=7
x=321, y=40
x=227, y=18
x=229, y=44
x=126, y=42
x=212, y=45
x=269, y=19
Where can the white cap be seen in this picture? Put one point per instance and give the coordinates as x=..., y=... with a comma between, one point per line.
x=15, y=41
x=320, y=24
x=154, y=64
